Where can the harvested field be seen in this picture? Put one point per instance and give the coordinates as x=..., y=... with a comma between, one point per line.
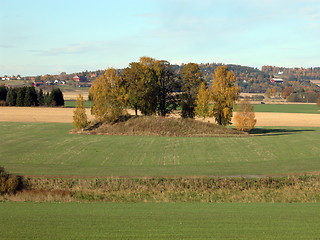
x=72, y=95
x=64, y=115
x=38, y=114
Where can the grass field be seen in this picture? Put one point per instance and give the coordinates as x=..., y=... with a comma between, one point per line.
x=287, y=108
x=48, y=149
x=72, y=104
x=159, y=221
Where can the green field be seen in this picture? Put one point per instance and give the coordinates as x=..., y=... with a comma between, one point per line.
x=159, y=221
x=48, y=149
x=287, y=108
x=72, y=104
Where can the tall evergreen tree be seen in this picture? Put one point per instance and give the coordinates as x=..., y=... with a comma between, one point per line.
x=56, y=97
x=27, y=101
x=3, y=93
x=41, y=101
x=21, y=93
x=11, y=97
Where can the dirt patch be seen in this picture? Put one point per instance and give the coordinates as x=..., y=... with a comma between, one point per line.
x=65, y=115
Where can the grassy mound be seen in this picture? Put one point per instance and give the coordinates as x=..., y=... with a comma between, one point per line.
x=161, y=126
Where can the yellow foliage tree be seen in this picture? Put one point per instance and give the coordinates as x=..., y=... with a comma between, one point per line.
x=244, y=119
x=80, y=120
x=202, y=108
x=224, y=94
x=108, y=96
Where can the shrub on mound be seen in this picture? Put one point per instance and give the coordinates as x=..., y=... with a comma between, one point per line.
x=161, y=126
x=9, y=183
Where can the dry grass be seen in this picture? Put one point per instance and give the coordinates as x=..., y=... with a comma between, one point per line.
x=197, y=189
x=160, y=126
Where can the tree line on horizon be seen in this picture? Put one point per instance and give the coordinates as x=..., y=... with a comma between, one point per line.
x=29, y=96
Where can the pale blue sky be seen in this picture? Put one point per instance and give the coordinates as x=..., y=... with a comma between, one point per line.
x=52, y=36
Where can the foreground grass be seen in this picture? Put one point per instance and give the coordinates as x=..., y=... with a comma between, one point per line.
x=287, y=108
x=159, y=221
x=48, y=149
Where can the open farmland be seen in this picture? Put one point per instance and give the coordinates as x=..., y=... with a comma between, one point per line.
x=49, y=149
x=159, y=221
x=64, y=115
x=287, y=108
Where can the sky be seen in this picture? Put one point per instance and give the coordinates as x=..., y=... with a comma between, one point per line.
x=49, y=37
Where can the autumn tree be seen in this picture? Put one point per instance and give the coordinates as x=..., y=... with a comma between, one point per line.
x=224, y=94
x=80, y=120
x=244, y=118
x=139, y=80
x=108, y=96
x=191, y=77
x=202, y=108
x=287, y=92
x=268, y=93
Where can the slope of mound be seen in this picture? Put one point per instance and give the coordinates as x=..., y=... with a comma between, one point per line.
x=160, y=126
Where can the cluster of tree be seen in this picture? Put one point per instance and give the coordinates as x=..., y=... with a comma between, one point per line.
x=147, y=86
x=292, y=95
x=153, y=87
x=223, y=94
x=29, y=96
x=255, y=81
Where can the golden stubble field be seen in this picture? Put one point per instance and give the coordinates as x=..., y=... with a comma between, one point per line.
x=65, y=115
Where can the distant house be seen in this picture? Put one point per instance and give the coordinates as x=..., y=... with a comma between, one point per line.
x=37, y=84
x=79, y=79
x=56, y=81
x=276, y=80
x=76, y=78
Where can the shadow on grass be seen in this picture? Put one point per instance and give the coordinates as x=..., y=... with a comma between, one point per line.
x=276, y=131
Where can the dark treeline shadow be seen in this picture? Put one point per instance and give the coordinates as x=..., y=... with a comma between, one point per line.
x=276, y=131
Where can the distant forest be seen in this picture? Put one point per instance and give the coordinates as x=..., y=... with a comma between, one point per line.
x=249, y=79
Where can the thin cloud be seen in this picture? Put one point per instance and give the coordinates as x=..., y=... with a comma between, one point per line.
x=7, y=46
x=77, y=48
